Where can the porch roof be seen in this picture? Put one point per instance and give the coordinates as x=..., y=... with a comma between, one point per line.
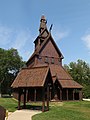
x=31, y=77
x=59, y=72
x=69, y=84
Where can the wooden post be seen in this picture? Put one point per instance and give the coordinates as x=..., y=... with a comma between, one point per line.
x=35, y=92
x=50, y=93
x=73, y=94
x=24, y=98
x=47, y=97
x=60, y=95
x=67, y=93
x=80, y=95
x=43, y=100
x=19, y=98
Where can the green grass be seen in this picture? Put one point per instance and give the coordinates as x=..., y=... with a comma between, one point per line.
x=58, y=111
x=66, y=111
x=9, y=104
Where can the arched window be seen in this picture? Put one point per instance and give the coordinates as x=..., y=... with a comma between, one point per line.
x=52, y=60
x=46, y=59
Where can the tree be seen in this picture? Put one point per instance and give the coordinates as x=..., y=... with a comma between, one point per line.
x=80, y=72
x=10, y=64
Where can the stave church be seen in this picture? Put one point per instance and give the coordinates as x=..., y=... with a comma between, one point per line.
x=44, y=78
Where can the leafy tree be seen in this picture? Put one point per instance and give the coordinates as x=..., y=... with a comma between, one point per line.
x=10, y=64
x=80, y=72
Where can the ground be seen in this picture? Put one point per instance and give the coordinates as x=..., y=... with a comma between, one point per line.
x=58, y=111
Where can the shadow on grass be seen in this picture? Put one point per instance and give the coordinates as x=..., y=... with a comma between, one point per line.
x=6, y=96
x=32, y=107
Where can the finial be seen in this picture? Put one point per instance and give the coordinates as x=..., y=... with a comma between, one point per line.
x=43, y=17
x=43, y=23
x=50, y=28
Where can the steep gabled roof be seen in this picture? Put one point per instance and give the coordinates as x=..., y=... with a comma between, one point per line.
x=59, y=72
x=49, y=37
x=69, y=84
x=31, y=77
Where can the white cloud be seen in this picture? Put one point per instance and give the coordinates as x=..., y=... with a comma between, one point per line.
x=60, y=35
x=5, y=34
x=86, y=39
x=24, y=43
x=22, y=40
x=60, y=32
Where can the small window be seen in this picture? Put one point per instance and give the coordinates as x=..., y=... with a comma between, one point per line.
x=46, y=59
x=59, y=60
x=52, y=61
x=40, y=57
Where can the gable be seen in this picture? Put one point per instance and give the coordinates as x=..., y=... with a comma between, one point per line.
x=49, y=49
x=34, y=77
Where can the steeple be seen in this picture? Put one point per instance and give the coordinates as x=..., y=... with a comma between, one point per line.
x=43, y=23
x=43, y=32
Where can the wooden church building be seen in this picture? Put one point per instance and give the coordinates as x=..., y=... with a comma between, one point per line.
x=44, y=78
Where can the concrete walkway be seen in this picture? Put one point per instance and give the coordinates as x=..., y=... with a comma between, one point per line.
x=22, y=114
x=86, y=99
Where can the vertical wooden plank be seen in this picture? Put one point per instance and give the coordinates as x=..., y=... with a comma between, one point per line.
x=73, y=94
x=24, y=98
x=80, y=95
x=50, y=94
x=60, y=94
x=43, y=99
x=47, y=97
x=67, y=93
x=35, y=95
x=19, y=98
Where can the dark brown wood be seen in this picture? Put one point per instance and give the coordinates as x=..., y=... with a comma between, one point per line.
x=47, y=97
x=73, y=94
x=80, y=95
x=67, y=93
x=60, y=94
x=35, y=95
x=50, y=95
x=46, y=48
x=2, y=113
x=24, y=98
x=43, y=100
x=19, y=99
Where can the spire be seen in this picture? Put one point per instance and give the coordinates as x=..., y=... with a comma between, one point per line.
x=43, y=23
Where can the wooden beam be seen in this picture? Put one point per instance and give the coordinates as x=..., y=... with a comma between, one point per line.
x=24, y=98
x=19, y=98
x=67, y=93
x=73, y=94
x=50, y=94
x=35, y=95
x=80, y=95
x=60, y=94
x=43, y=99
x=47, y=97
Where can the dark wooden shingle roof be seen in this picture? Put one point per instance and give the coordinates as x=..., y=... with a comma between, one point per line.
x=69, y=84
x=59, y=72
x=31, y=77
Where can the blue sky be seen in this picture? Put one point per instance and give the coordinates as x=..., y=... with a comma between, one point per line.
x=20, y=20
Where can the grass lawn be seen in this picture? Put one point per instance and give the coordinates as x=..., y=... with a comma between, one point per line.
x=9, y=104
x=58, y=111
x=66, y=111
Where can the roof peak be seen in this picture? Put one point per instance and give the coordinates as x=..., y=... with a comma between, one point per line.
x=43, y=23
x=43, y=17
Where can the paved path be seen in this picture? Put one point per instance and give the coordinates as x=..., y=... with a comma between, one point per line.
x=86, y=99
x=22, y=114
